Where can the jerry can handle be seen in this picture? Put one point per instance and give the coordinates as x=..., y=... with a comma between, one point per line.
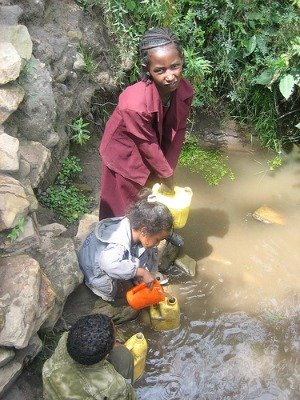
x=139, y=287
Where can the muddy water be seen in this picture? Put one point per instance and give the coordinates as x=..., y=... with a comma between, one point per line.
x=239, y=333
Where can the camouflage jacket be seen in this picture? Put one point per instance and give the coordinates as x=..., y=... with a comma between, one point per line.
x=64, y=378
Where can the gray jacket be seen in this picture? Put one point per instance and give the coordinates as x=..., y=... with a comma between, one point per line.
x=108, y=255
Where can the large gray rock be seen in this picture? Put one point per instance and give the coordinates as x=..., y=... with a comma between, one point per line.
x=9, y=153
x=9, y=15
x=60, y=264
x=11, y=95
x=10, y=63
x=35, y=118
x=26, y=298
x=14, y=203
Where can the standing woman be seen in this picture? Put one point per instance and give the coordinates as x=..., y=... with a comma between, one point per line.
x=144, y=135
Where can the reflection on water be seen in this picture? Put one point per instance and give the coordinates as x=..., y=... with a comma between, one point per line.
x=239, y=336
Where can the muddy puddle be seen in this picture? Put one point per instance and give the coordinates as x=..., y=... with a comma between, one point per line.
x=239, y=334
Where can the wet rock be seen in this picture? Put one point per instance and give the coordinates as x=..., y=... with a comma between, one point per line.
x=10, y=63
x=23, y=299
x=167, y=254
x=268, y=216
x=9, y=156
x=186, y=264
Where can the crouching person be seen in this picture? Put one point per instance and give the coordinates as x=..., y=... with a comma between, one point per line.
x=89, y=364
x=125, y=248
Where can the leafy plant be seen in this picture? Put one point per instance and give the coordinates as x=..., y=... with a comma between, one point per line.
x=89, y=63
x=239, y=54
x=64, y=198
x=275, y=163
x=210, y=164
x=17, y=230
x=69, y=169
x=80, y=134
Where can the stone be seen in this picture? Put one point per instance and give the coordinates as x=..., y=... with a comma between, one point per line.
x=10, y=63
x=86, y=225
x=13, y=202
x=27, y=240
x=36, y=116
x=186, y=264
x=167, y=254
x=20, y=284
x=11, y=371
x=9, y=153
x=11, y=95
x=39, y=158
x=19, y=37
x=268, y=216
x=6, y=355
x=9, y=15
x=52, y=230
x=60, y=264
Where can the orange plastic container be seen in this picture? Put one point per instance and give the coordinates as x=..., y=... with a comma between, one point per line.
x=141, y=296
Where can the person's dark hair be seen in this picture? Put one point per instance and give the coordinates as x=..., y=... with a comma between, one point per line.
x=153, y=217
x=153, y=38
x=91, y=338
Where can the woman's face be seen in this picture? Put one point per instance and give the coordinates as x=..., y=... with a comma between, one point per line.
x=165, y=68
x=149, y=241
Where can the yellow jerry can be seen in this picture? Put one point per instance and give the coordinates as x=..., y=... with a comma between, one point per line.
x=138, y=346
x=178, y=203
x=165, y=315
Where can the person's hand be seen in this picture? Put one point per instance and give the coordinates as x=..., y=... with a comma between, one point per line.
x=167, y=186
x=146, y=276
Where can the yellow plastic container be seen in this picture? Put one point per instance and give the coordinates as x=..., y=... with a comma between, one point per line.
x=138, y=346
x=165, y=316
x=178, y=204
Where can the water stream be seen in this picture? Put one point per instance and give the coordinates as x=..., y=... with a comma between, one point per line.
x=239, y=334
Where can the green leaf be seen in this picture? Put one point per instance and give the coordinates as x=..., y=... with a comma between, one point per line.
x=251, y=45
x=298, y=125
x=265, y=77
x=286, y=85
x=130, y=5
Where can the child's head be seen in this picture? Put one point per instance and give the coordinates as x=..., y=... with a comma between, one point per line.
x=162, y=59
x=91, y=338
x=152, y=220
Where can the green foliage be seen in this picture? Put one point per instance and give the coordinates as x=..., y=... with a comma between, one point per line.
x=17, y=230
x=80, y=134
x=90, y=64
x=69, y=169
x=275, y=163
x=210, y=164
x=237, y=52
x=65, y=199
